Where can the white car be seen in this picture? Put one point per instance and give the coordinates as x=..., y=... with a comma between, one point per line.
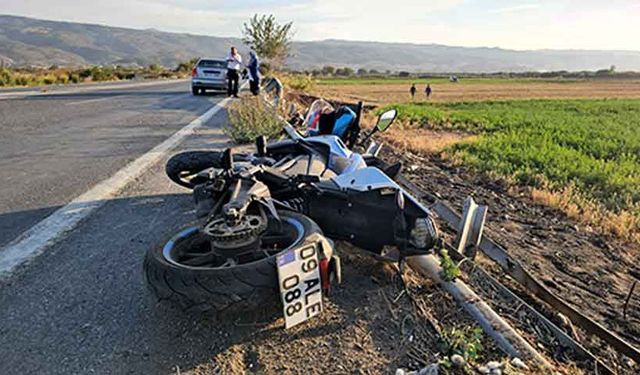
x=209, y=74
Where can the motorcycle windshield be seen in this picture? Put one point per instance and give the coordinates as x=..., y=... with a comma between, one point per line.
x=312, y=120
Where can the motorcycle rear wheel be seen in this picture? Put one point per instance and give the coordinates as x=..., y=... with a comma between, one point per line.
x=219, y=287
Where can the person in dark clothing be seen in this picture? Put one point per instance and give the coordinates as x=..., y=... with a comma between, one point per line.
x=254, y=73
x=234, y=63
x=413, y=90
x=427, y=91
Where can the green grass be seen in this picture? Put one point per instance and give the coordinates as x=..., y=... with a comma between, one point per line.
x=592, y=145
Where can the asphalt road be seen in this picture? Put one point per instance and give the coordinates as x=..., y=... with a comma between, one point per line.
x=82, y=307
x=54, y=147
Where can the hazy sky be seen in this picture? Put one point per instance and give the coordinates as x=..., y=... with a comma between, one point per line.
x=528, y=24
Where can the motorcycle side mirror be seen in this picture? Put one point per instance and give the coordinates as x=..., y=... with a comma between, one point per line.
x=386, y=119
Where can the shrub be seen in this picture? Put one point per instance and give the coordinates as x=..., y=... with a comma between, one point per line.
x=74, y=78
x=6, y=77
x=85, y=73
x=252, y=117
x=300, y=82
x=62, y=78
x=21, y=80
x=102, y=74
x=49, y=79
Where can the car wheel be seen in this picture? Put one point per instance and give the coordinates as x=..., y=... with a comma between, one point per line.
x=195, y=91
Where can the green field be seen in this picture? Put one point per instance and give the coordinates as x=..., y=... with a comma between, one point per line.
x=593, y=145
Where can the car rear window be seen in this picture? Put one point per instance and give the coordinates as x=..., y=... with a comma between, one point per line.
x=211, y=64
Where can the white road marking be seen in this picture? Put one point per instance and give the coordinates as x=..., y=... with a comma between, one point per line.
x=76, y=89
x=38, y=238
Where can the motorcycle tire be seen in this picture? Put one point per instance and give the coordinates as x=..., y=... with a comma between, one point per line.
x=219, y=290
x=189, y=163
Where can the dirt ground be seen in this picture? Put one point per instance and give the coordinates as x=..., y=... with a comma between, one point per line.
x=369, y=326
x=591, y=271
x=388, y=93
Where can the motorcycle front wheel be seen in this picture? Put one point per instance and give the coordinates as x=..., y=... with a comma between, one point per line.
x=185, y=271
x=182, y=167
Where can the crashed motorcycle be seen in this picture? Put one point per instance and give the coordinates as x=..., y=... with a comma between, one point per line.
x=286, y=198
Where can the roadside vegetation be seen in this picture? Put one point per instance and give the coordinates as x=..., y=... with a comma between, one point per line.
x=21, y=77
x=251, y=117
x=298, y=82
x=580, y=155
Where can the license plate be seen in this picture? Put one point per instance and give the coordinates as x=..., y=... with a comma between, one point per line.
x=300, y=284
x=211, y=72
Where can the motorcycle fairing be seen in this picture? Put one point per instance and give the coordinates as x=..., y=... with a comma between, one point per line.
x=370, y=178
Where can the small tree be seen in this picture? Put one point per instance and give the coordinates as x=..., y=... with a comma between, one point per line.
x=344, y=72
x=328, y=70
x=268, y=38
x=362, y=72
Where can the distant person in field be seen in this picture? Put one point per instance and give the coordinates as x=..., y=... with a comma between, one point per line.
x=254, y=72
x=234, y=63
x=427, y=91
x=413, y=90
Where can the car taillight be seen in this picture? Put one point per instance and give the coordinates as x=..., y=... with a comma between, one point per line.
x=194, y=72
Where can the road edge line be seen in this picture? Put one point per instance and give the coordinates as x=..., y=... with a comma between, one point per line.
x=35, y=240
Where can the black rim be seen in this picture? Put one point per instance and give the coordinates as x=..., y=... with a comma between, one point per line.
x=192, y=249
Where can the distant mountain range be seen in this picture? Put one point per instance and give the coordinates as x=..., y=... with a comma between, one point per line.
x=26, y=42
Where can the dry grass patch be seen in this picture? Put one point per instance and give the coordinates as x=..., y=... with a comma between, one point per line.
x=472, y=91
x=424, y=141
x=623, y=224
